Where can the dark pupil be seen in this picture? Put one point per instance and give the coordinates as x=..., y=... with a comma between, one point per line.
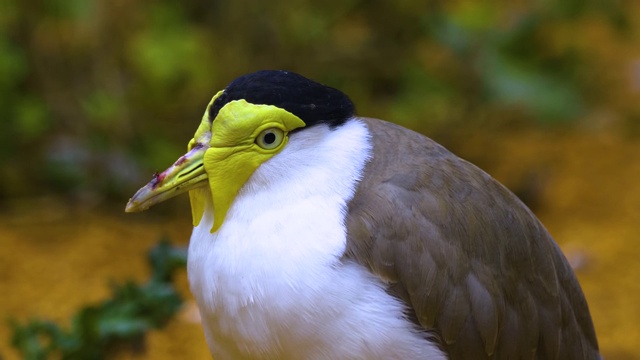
x=269, y=138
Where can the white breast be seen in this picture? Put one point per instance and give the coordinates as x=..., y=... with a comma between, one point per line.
x=270, y=284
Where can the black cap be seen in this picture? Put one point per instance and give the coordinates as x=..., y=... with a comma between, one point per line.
x=312, y=102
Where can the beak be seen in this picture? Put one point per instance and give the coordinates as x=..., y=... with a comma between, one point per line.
x=185, y=174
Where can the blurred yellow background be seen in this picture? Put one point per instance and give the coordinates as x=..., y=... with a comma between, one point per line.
x=96, y=95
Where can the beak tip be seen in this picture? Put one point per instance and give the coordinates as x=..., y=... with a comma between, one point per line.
x=185, y=174
x=141, y=200
x=135, y=206
x=130, y=207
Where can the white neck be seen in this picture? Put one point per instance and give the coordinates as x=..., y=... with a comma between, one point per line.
x=274, y=269
x=302, y=190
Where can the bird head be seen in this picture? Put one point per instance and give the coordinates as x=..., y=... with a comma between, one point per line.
x=244, y=125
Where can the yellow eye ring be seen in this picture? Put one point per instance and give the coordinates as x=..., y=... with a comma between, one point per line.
x=270, y=139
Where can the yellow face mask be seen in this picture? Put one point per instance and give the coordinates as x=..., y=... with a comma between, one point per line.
x=223, y=154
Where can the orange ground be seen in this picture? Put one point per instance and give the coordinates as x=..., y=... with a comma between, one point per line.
x=54, y=259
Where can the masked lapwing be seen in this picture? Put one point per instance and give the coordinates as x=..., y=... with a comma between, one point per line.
x=319, y=234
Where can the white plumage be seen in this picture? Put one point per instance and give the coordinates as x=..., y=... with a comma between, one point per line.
x=272, y=282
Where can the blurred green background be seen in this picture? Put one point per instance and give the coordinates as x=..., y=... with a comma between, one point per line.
x=96, y=95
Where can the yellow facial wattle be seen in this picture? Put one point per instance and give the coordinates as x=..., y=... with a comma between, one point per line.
x=225, y=152
x=235, y=153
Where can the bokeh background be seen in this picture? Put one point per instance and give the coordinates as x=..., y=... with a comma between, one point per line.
x=96, y=95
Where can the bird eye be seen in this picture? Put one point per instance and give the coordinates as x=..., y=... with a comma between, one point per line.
x=270, y=139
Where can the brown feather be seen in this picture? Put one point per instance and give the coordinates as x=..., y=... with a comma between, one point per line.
x=466, y=256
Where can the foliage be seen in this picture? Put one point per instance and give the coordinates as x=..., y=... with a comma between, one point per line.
x=114, y=324
x=95, y=95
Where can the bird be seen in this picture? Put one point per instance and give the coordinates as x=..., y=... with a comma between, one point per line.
x=321, y=234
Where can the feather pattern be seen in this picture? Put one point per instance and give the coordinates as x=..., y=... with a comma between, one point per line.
x=467, y=257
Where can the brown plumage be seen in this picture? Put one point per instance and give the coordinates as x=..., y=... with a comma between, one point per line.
x=469, y=259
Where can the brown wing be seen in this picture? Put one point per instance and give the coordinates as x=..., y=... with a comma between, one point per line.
x=465, y=254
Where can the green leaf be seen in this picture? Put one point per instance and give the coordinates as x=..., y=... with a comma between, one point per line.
x=124, y=319
x=165, y=259
x=32, y=118
x=549, y=98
